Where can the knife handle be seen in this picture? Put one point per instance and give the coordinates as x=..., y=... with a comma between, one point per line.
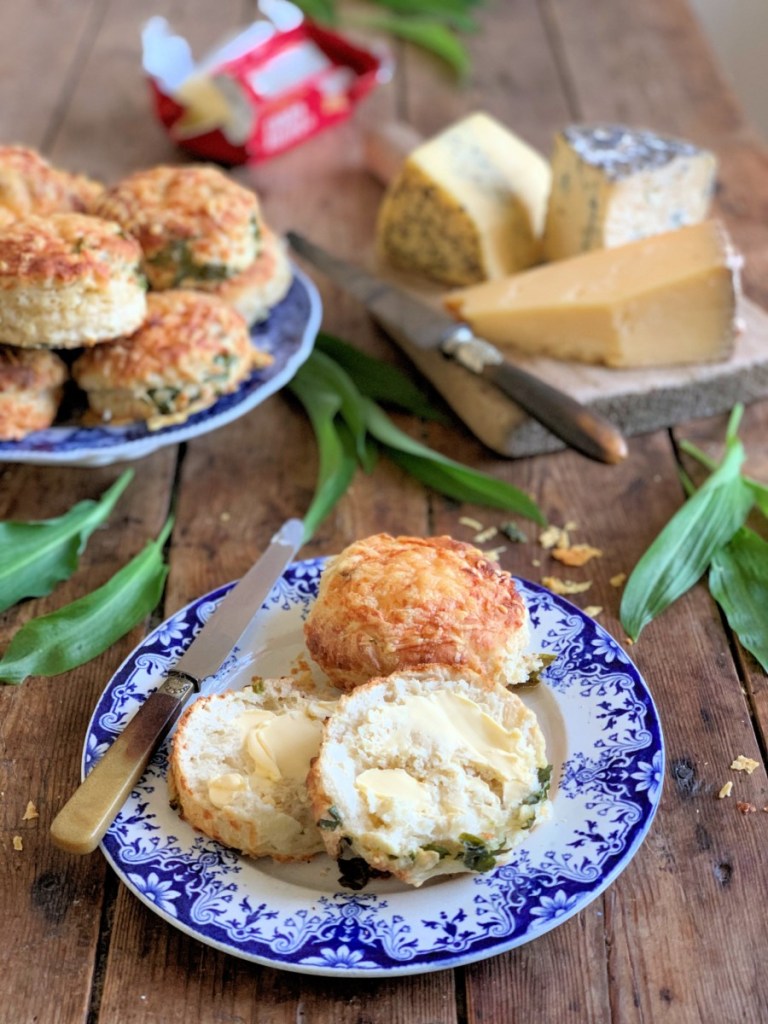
x=82, y=822
x=579, y=426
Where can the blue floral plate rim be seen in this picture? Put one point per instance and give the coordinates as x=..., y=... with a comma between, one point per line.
x=288, y=334
x=603, y=732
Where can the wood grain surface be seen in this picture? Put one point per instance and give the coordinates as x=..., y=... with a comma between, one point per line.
x=680, y=936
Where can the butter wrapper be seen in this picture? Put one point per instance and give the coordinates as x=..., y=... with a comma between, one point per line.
x=273, y=85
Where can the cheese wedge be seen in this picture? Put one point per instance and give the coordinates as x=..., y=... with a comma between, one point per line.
x=663, y=300
x=466, y=206
x=612, y=185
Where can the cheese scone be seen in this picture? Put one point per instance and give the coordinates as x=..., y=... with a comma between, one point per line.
x=254, y=291
x=191, y=349
x=428, y=773
x=29, y=184
x=31, y=382
x=194, y=224
x=238, y=766
x=68, y=280
x=391, y=603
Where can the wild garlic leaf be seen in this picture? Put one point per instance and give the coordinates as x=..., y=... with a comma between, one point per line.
x=324, y=373
x=73, y=635
x=377, y=380
x=738, y=581
x=759, y=491
x=454, y=13
x=35, y=556
x=681, y=553
x=428, y=34
x=445, y=475
x=336, y=455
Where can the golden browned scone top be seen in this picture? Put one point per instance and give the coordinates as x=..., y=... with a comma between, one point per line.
x=183, y=333
x=30, y=185
x=198, y=207
x=390, y=603
x=64, y=248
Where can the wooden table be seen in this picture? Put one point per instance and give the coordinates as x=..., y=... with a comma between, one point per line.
x=681, y=935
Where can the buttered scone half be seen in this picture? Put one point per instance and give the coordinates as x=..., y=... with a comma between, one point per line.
x=427, y=773
x=386, y=604
x=29, y=184
x=238, y=766
x=256, y=290
x=67, y=281
x=31, y=382
x=191, y=349
x=194, y=224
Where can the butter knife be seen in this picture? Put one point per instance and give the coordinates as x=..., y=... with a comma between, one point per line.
x=82, y=822
x=414, y=323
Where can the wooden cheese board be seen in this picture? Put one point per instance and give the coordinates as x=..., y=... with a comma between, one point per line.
x=637, y=401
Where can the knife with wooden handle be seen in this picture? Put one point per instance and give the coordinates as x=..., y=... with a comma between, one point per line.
x=415, y=325
x=82, y=822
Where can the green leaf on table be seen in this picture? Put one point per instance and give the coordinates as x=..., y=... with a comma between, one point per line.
x=35, y=556
x=428, y=34
x=445, y=475
x=73, y=635
x=681, y=553
x=337, y=460
x=323, y=373
x=759, y=491
x=452, y=12
x=379, y=381
x=738, y=581
x=321, y=11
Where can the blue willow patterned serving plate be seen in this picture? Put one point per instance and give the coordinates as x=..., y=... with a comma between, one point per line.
x=288, y=335
x=603, y=736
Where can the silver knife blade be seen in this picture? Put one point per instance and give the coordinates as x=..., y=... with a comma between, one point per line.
x=81, y=824
x=414, y=324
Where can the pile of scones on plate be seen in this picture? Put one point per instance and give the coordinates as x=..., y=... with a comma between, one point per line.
x=141, y=293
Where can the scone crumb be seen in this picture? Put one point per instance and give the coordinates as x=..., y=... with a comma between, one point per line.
x=473, y=524
x=30, y=813
x=725, y=791
x=536, y=562
x=618, y=580
x=18, y=843
x=593, y=610
x=554, y=537
x=578, y=554
x=558, y=586
x=494, y=553
x=745, y=808
x=744, y=764
x=485, y=535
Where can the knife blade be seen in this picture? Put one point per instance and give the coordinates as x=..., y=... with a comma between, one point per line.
x=414, y=323
x=82, y=822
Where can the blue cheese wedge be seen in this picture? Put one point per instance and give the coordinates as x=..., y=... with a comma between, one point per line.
x=663, y=300
x=612, y=185
x=467, y=206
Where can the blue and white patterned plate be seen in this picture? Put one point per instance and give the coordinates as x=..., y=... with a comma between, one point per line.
x=603, y=736
x=288, y=335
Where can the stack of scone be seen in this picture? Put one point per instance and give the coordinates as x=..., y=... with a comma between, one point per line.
x=422, y=762
x=75, y=264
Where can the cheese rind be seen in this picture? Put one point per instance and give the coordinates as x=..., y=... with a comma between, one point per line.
x=612, y=185
x=669, y=299
x=467, y=205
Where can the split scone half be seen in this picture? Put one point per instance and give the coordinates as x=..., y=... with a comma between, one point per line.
x=31, y=383
x=387, y=604
x=427, y=773
x=195, y=224
x=68, y=280
x=238, y=765
x=191, y=349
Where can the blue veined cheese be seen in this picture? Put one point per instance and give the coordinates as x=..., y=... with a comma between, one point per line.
x=668, y=299
x=467, y=206
x=612, y=185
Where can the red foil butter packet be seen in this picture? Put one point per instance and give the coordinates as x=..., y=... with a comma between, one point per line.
x=275, y=84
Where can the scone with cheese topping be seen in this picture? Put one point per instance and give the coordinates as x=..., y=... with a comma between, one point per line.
x=31, y=382
x=429, y=773
x=191, y=349
x=238, y=766
x=254, y=291
x=67, y=281
x=195, y=225
x=29, y=184
x=387, y=604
